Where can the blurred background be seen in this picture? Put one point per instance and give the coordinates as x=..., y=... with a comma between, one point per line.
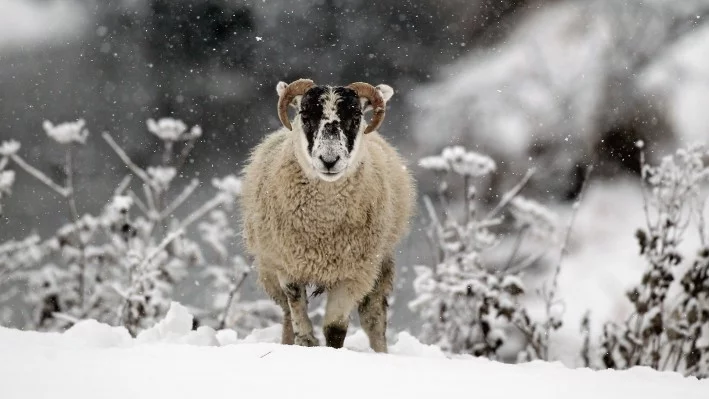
x=553, y=84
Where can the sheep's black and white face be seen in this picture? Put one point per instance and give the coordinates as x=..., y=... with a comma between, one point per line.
x=331, y=123
x=331, y=119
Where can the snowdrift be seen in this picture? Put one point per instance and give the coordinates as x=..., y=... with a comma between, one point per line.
x=93, y=360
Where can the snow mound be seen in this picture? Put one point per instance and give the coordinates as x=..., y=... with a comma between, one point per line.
x=170, y=360
x=94, y=334
x=176, y=327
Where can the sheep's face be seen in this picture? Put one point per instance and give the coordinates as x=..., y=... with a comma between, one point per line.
x=332, y=126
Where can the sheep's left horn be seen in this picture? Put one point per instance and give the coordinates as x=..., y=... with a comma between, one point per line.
x=375, y=98
x=296, y=88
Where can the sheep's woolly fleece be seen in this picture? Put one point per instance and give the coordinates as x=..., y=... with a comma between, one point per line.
x=93, y=360
x=355, y=221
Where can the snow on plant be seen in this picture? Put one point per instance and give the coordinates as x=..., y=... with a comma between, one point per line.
x=669, y=327
x=122, y=265
x=467, y=306
x=67, y=132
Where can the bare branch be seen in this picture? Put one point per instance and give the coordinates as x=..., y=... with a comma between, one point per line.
x=197, y=214
x=71, y=198
x=153, y=213
x=139, y=202
x=510, y=195
x=126, y=160
x=186, y=150
x=222, y=323
x=123, y=185
x=186, y=192
x=62, y=191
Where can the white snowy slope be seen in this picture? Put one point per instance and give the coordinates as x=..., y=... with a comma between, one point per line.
x=170, y=361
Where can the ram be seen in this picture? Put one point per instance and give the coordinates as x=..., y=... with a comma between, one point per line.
x=325, y=202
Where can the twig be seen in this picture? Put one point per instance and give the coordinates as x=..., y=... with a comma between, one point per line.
x=527, y=262
x=510, y=195
x=123, y=185
x=586, y=331
x=167, y=153
x=517, y=244
x=466, y=179
x=63, y=316
x=265, y=354
x=679, y=356
x=186, y=192
x=549, y=300
x=3, y=162
x=643, y=188
x=62, y=191
x=233, y=292
x=69, y=171
x=71, y=199
x=435, y=228
x=139, y=202
x=201, y=211
x=126, y=160
x=153, y=213
x=185, y=153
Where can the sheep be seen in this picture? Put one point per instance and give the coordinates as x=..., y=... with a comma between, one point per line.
x=325, y=201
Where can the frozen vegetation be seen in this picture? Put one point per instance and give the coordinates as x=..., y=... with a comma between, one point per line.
x=124, y=266
x=531, y=254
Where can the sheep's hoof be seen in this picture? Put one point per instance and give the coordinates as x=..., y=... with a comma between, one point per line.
x=306, y=340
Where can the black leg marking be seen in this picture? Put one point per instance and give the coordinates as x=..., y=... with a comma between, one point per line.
x=335, y=336
x=292, y=291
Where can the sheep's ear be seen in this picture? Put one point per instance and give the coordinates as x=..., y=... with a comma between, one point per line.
x=386, y=92
x=281, y=87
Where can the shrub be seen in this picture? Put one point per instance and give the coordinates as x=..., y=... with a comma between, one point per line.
x=469, y=306
x=123, y=265
x=669, y=326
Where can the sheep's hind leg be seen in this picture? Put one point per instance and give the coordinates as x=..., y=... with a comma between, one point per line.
x=298, y=304
x=373, y=308
x=270, y=283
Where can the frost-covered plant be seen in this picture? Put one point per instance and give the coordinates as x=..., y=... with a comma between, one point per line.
x=122, y=265
x=468, y=306
x=541, y=222
x=669, y=326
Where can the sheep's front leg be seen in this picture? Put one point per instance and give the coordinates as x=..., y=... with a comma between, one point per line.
x=373, y=308
x=298, y=304
x=341, y=301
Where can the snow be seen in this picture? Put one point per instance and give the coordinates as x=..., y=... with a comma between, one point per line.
x=170, y=360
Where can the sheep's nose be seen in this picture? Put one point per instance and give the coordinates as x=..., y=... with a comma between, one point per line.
x=329, y=164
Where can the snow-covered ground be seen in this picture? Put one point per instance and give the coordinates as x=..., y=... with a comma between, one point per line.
x=93, y=360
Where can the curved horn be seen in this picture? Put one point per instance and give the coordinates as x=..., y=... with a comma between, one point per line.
x=375, y=98
x=296, y=88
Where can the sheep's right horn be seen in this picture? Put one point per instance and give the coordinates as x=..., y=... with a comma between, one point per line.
x=296, y=88
x=376, y=100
